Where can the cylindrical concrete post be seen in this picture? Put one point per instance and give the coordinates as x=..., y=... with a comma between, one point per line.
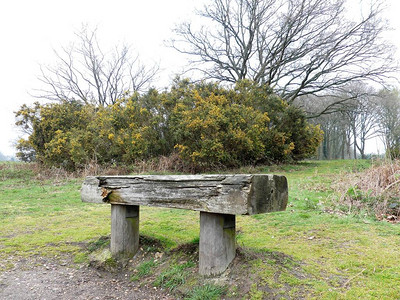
x=124, y=230
x=217, y=242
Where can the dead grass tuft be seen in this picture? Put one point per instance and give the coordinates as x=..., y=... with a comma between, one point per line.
x=381, y=178
x=373, y=191
x=37, y=171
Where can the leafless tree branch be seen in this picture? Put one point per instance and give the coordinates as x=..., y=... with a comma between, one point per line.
x=298, y=47
x=84, y=72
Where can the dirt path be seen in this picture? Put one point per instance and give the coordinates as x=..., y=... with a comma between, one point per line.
x=47, y=281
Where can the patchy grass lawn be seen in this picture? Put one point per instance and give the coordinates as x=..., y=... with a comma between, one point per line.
x=309, y=251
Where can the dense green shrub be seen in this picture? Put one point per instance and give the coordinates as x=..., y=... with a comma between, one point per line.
x=216, y=132
x=249, y=124
x=207, y=124
x=71, y=135
x=57, y=133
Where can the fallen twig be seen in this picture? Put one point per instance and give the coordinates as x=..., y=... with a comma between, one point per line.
x=350, y=279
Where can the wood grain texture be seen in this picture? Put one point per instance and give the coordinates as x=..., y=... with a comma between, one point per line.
x=217, y=247
x=241, y=194
x=124, y=230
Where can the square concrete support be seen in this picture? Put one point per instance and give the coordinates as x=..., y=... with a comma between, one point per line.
x=124, y=230
x=217, y=242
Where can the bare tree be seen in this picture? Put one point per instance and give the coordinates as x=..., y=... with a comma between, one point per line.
x=338, y=138
x=298, y=47
x=350, y=120
x=363, y=120
x=389, y=121
x=84, y=72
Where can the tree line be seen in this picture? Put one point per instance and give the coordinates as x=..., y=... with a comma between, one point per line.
x=365, y=115
x=271, y=71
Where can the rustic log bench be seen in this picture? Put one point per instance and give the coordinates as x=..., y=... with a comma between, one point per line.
x=219, y=198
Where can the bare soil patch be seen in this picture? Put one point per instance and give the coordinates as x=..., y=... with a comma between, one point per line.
x=45, y=279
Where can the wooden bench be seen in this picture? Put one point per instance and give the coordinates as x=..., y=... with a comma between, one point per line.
x=219, y=198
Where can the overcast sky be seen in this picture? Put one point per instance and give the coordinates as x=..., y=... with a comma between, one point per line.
x=30, y=30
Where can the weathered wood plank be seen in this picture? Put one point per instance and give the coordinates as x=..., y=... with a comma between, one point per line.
x=242, y=194
x=124, y=230
x=217, y=247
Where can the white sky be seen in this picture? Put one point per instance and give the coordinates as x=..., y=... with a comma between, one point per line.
x=30, y=30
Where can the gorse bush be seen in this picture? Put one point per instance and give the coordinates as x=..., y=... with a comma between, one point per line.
x=207, y=125
x=216, y=132
x=58, y=133
x=249, y=124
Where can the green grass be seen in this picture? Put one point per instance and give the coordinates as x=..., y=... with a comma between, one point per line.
x=144, y=269
x=45, y=217
x=301, y=253
x=206, y=292
x=174, y=276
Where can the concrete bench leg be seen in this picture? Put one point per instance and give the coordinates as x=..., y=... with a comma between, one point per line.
x=217, y=242
x=124, y=230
